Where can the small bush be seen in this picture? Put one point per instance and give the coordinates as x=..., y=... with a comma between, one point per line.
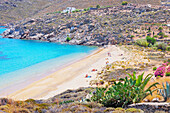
x=168, y=74
x=168, y=71
x=97, y=6
x=165, y=36
x=77, y=10
x=68, y=39
x=154, y=68
x=161, y=34
x=155, y=36
x=85, y=9
x=168, y=48
x=142, y=42
x=161, y=46
x=151, y=40
x=124, y=3
x=160, y=28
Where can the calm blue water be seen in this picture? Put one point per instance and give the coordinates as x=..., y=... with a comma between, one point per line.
x=18, y=54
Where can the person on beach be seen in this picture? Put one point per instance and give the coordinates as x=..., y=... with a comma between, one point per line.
x=109, y=54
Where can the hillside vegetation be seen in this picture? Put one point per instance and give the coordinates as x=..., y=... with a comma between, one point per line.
x=14, y=10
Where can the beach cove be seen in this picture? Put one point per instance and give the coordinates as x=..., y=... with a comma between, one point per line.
x=70, y=77
x=23, y=62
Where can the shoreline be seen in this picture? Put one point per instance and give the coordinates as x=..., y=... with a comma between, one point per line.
x=74, y=73
x=33, y=73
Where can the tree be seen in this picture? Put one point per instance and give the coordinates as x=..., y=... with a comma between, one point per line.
x=124, y=3
x=97, y=6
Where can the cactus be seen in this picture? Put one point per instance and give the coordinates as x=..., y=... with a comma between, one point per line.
x=165, y=91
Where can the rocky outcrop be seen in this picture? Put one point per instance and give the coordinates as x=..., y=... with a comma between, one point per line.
x=95, y=27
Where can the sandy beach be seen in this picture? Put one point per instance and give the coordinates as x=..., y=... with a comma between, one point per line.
x=69, y=77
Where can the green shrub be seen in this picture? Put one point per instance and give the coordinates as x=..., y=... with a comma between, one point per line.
x=161, y=46
x=160, y=29
x=124, y=3
x=132, y=36
x=124, y=92
x=68, y=39
x=154, y=68
x=161, y=34
x=73, y=11
x=97, y=6
x=155, y=36
x=142, y=42
x=168, y=48
x=151, y=40
x=165, y=36
x=85, y=9
x=77, y=10
x=58, y=12
x=168, y=74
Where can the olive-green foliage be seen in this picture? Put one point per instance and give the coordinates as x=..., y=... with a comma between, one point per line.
x=165, y=91
x=161, y=34
x=161, y=46
x=124, y=3
x=151, y=40
x=167, y=74
x=168, y=48
x=125, y=91
x=160, y=28
x=77, y=10
x=97, y=6
x=68, y=39
x=142, y=42
x=134, y=110
x=155, y=36
x=66, y=102
x=154, y=68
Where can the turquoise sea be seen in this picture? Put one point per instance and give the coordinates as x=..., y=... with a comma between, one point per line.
x=21, y=60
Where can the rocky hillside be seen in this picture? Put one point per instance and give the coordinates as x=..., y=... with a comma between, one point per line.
x=93, y=27
x=14, y=10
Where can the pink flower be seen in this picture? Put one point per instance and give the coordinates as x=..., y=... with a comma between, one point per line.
x=160, y=71
x=165, y=64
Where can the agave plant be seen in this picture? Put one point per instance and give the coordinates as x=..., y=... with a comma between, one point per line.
x=165, y=91
x=125, y=91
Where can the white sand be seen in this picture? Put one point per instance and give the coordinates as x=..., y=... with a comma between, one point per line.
x=70, y=77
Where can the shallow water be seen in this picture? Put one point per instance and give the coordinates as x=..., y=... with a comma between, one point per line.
x=25, y=59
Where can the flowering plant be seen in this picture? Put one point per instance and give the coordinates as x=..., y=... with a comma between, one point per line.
x=160, y=71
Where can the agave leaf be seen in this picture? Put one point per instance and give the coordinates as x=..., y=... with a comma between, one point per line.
x=130, y=75
x=148, y=76
x=152, y=86
x=146, y=80
x=134, y=75
x=121, y=79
